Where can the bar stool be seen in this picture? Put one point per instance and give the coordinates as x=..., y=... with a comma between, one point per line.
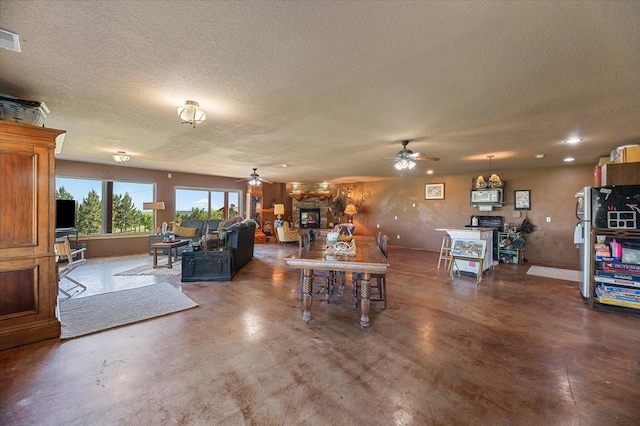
x=445, y=250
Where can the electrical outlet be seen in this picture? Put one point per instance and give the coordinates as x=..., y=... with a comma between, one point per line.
x=414, y=204
x=548, y=218
x=378, y=225
x=397, y=237
x=395, y=217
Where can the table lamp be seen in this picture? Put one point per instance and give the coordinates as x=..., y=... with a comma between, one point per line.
x=278, y=210
x=350, y=211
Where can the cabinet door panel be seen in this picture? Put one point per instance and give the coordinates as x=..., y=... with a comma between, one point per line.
x=18, y=291
x=18, y=183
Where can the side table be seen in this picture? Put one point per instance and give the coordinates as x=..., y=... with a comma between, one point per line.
x=152, y=240
x=168, y=246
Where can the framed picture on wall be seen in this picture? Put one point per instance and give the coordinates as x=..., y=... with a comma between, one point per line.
x=522, y=199
x=434, y=191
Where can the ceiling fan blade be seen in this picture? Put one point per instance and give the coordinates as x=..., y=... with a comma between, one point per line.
x=264, y=180
x=425, y=158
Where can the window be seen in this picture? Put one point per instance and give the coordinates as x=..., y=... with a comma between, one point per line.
x=206, y=204
x=106, y=207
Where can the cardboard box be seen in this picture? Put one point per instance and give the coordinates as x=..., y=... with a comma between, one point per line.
x=604, y=160
x=626, y=154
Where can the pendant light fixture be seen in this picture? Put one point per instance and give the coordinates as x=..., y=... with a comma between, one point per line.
x=190, y=113
x=494, y=180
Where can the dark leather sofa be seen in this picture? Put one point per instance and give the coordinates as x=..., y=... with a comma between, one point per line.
x=239, y=237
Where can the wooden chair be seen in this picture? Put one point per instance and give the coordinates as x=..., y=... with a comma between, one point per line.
x=378, y=288
x=75, y=258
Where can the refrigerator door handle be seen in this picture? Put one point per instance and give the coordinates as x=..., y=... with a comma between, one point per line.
x=578, y=235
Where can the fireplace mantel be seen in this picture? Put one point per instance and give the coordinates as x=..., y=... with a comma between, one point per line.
x=303, y=196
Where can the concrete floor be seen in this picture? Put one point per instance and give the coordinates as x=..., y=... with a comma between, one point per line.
x=515, y=349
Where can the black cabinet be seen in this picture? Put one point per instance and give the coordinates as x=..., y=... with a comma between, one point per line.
x=207, y=265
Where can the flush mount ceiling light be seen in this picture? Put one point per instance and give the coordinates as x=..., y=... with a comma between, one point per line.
x=190, y=113
x=573, y=141
x=121, y=157
x=569, y=159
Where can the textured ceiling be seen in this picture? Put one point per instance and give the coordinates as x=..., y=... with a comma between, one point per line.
x=330, y=88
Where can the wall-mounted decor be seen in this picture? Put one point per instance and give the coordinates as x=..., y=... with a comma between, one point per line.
x=522, y=199
x=434, y=191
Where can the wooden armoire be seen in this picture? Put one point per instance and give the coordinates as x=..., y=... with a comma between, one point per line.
x=28, y=281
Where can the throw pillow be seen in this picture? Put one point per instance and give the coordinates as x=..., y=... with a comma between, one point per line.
x=180, y=231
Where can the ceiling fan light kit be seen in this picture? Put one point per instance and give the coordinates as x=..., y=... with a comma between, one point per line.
x=255, y=179
x=404, y=164
x=406, y=159
x=190, y=113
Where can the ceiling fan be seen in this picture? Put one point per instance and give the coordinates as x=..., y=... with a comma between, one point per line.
x=405, y=158
x=254, y=179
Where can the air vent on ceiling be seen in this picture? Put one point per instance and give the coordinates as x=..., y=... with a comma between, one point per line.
x=9, y=40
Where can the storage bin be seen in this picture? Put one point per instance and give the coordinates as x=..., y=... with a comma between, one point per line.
x=22, y=110
x=630, y=256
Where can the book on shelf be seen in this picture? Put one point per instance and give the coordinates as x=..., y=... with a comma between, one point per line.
x=625, y=291
x=611, y=277
x=608, y=259
x=626, y=268
x=616, y=302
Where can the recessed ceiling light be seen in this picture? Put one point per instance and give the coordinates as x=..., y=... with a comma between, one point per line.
x=429, y=172
x=285, y=165
x=539, y=155
x=569, y=159
x=573, y=141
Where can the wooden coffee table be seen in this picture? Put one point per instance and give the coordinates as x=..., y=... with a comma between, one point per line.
x=170, y=246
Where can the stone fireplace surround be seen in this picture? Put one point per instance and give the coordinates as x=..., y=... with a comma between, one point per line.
x=310, y=203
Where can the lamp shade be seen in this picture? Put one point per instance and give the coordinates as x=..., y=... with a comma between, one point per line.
x=350, y=210
x=278, y=209
x=155, y=205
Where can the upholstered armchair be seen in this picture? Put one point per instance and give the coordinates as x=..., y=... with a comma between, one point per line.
x=286, y=234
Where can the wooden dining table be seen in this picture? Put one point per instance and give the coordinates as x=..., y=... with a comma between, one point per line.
x=368, y=260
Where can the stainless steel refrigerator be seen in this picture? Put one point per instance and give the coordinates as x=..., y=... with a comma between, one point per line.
x=582, y=238
x=606, y=207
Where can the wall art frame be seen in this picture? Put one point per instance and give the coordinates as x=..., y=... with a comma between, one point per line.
x=522, y=199
x=434, y=191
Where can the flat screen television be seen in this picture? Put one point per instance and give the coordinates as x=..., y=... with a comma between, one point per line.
x=65, y=214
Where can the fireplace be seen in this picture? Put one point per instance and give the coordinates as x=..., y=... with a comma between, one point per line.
x=309, y=218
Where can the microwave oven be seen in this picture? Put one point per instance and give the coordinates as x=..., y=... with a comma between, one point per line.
x=487, y=196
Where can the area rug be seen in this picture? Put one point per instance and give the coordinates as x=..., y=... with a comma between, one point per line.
x=175, y=270
x=103, y=311
x=557, y=273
